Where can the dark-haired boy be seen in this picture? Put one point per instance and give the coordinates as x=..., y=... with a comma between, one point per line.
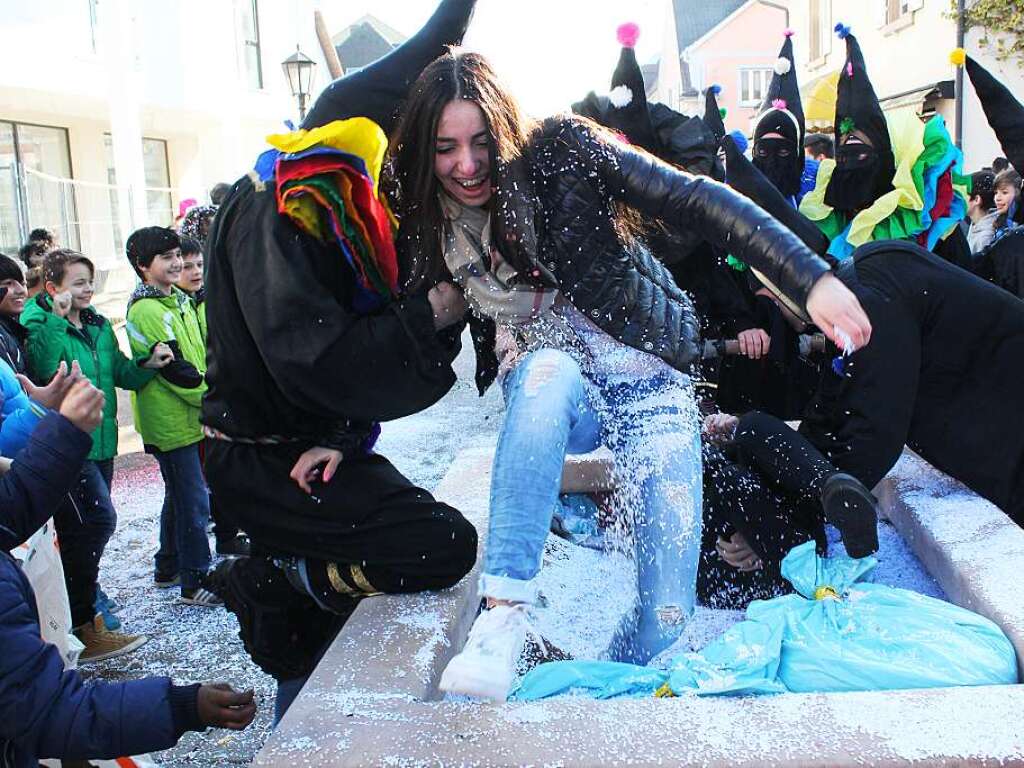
x=167, y=413
x=64, y=328
x=981, y=211
x=12, y=302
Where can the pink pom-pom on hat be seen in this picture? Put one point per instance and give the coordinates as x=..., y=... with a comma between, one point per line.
x=779, y=103
x=788, y=32
x=628, y=34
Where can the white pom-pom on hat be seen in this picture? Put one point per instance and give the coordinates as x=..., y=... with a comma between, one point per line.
x=782, y=65
x=620, y=96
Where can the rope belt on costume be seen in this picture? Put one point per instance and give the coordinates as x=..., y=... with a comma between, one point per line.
x=216, y=434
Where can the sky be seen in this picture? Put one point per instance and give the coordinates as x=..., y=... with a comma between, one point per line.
x=550, y=53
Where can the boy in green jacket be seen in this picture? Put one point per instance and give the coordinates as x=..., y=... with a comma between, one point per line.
x=63, y=327
x=167, y=412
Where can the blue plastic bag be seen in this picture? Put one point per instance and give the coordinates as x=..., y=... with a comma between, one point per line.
x=836, y=633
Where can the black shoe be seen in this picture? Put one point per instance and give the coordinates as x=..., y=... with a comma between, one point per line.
x=237, y=546
x=282, y=630
x=166, y=580
x=851, y=508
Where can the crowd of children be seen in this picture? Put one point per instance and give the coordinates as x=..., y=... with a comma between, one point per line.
x=47, y=324
x=60, y=367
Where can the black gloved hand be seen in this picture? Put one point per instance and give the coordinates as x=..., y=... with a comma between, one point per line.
x=180, y=372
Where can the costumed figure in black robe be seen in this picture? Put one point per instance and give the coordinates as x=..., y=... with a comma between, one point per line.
x=856, y=200
x=310, y=347
x=939, y=375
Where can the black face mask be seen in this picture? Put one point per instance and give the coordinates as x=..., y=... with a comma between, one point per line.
x=854, y=184
x=778, y=160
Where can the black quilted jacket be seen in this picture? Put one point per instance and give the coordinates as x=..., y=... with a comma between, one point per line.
x=578, y=175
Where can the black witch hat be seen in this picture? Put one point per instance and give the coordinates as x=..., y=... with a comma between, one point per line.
x=1004, y=113
x=782, y=113
x=857, y=109
x=712, y=114
x=628, y=95
x=377, y=90
x=625, y=108
x=741, y=175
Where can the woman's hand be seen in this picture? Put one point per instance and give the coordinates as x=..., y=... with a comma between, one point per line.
x=735, y=551
x=836, y=311
x=307, y=468
x=754, y=343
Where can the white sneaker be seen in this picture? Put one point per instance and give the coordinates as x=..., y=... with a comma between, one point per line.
x=486, y=666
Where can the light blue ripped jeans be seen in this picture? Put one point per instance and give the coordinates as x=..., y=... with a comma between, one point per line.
x=650, y=425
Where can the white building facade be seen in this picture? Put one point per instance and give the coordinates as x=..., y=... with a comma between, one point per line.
x=112, y=112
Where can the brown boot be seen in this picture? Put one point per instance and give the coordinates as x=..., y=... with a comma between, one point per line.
x=100, y=643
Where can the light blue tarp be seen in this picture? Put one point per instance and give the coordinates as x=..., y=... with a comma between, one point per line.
x=837, y=633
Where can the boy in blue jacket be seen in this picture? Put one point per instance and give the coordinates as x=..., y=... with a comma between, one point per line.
x=45, y=710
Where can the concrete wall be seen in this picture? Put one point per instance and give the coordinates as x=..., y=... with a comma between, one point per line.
x=750, y=38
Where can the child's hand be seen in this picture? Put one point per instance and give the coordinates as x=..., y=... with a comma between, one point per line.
x=221, y=706
x=52, y=395
x=307, y=468
x=62, y=303
x=160, y=356
x=83, y=406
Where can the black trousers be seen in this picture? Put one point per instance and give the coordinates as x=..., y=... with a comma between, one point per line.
x=766, y=484
x=224, y=529
x=368, y=530
x=85, y=521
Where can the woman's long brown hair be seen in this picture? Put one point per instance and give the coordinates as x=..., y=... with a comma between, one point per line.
x=454, y=75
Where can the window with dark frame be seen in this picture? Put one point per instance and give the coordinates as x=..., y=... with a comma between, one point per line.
x=35, y=184
x=250, y=34
x=754, y=82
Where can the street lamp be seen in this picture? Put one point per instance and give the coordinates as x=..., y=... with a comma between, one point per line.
x=299, y=70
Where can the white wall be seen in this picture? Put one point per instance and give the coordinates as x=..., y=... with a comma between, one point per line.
x=182, y=78
x=980, y=145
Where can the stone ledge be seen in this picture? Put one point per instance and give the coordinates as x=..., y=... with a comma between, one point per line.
x=968, y=545
x=373, y=699
x=939, y=727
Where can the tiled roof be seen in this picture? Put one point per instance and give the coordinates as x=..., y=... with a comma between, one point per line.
x=695, y=18
x=364, y=42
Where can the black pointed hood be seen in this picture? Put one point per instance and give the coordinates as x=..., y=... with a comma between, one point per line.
x=712, y=114
x=782, y=113
x=628, y=95
x=1004, y=113
x=742, y=176
x=857, y=108
x=377, y=90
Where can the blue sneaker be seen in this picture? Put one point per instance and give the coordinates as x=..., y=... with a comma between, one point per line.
x=103, y=597
x=110, y=622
